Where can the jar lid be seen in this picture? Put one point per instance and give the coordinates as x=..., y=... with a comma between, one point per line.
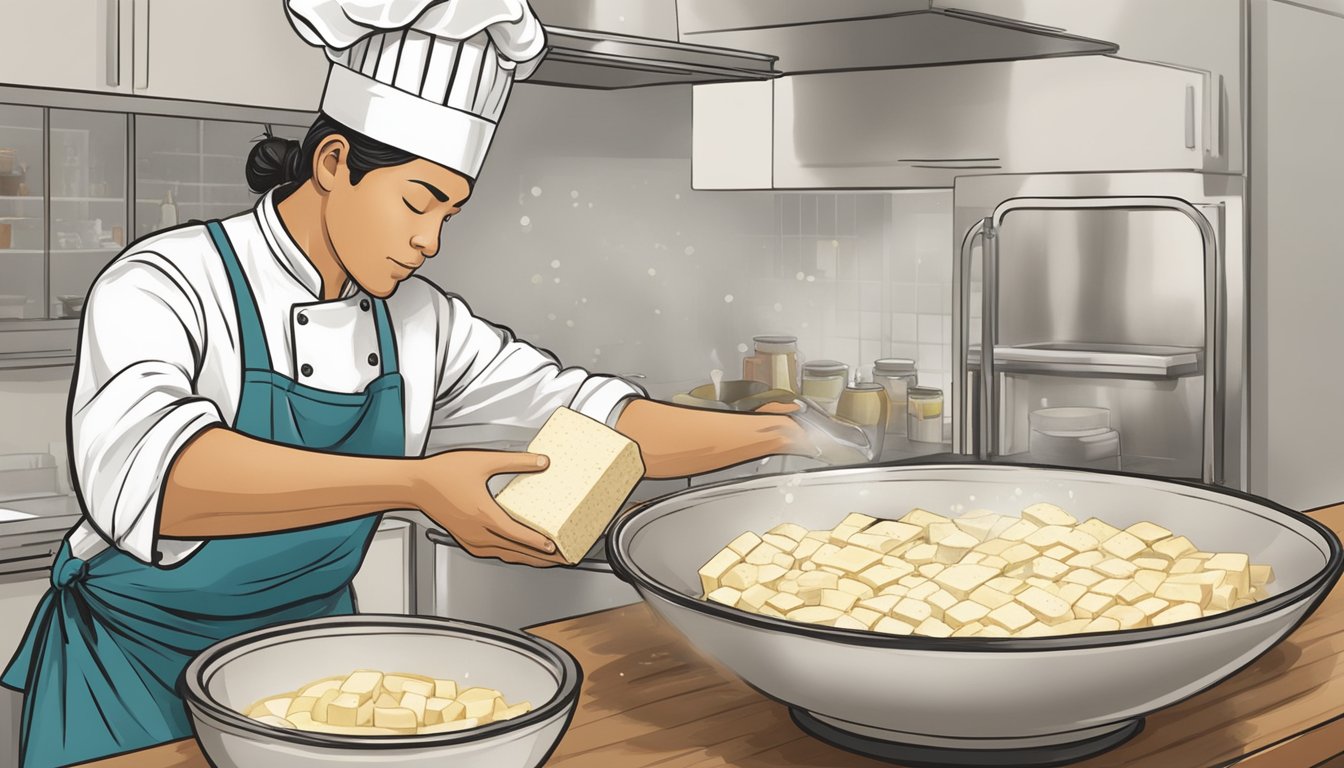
x=894, y=365
x=825, y=367
x=776, y=345
x=775, y=339
x=923, y=393
x=865, y=386
x=1069, y=419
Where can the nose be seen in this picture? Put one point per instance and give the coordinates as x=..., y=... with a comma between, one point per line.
x=426, y=244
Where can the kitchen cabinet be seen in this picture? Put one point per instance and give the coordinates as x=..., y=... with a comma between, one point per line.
x=93, y=52
x=241, y=52
x=19, y=595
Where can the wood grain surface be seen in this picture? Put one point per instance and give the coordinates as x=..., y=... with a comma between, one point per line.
x=649, y=699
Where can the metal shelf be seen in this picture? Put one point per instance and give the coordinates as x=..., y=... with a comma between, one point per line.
x=1116, y=360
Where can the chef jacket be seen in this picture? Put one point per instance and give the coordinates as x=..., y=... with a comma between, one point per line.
x=159, y=361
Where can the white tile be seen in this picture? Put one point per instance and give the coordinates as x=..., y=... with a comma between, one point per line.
x=929, y=299
x=847, y=323
x=904, y=349
x=903, y=327
x=870, y=326
x=903, y=298
x=870, y=295
x=930, y=329
x=947, y=330
x=847, y=261
x=844, y=350
x=868, y=352
x=930, y=357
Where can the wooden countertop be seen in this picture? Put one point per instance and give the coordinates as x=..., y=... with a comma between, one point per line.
x=649, y=699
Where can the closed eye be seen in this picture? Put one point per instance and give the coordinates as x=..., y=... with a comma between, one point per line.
x=408, y=205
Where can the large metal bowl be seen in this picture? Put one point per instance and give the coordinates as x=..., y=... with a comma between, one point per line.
x=973, y=701
x=236, y=673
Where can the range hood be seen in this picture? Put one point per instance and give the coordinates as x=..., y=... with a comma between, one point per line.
x=579, y=58
x=865, y=34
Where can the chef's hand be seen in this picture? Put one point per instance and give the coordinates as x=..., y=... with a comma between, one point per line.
x=450, y=488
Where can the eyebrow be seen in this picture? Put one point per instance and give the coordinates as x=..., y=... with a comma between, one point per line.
x=433, y=190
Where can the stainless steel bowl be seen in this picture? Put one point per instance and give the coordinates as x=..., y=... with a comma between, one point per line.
x=973, y=701
x=238, y=672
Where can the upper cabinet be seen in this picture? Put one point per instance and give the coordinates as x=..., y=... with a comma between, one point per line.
x=239, y=52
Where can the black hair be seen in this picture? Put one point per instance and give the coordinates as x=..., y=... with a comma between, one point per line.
x=275, y=161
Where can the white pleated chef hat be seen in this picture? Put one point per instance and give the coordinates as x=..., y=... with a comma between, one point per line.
x=426, y=76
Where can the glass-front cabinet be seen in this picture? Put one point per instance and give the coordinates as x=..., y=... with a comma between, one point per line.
x=67, y=181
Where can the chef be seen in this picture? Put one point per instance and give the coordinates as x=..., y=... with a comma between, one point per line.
x=250, y=393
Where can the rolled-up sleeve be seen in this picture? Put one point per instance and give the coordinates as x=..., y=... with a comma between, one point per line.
x=134, y=405
x=490, y=379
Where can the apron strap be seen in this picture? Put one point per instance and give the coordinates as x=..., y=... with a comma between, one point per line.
x=255, y=354
x=387, y=344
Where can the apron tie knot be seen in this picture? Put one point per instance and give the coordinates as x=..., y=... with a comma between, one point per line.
x=68, y=571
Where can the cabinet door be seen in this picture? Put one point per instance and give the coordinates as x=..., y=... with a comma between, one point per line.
x=23, y=223
x=79, y=44
x=381, y=584
x=240, y=52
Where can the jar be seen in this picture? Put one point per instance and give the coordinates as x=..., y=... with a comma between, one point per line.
x=864, y=404
x=924, y=414
x=824, y=382
x=775, y=363
x=896, y=375
x=1074, y=437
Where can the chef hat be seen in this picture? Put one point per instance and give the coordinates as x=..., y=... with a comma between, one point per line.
x=426, y=76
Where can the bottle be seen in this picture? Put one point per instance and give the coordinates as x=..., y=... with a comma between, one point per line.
x=924, y=414
x=775, y=362
x=864, y=404
x=896, y=375
x=824, y=382
x=168, y=212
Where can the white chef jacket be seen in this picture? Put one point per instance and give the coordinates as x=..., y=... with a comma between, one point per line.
x=159, y=361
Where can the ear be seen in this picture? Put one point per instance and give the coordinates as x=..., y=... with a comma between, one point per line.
x=329, y=168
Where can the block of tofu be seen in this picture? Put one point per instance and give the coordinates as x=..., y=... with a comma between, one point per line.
x=954, y=546
x=1151, y=563
x=1092, y=605
x=991, y=630
x=1115, y=568
x=969, y=630
x=813, y=582
x=301, y=704
x=815, y=614
x=880, y=575
x=939, y=531
x=422, y=686
x=1175, y=592
x=923, y=518
x=322, y=686
x=504, y=712
x=1048, y=568
x=742, y=545
x=1102, y=624
x=395, y=683
x=779, y=541
x=386, y=700
x=1007, y=584
x=1186, y=565
x=784, y=602
x=964, y=613
x=440, y=710
x=962, y=579
x=1177, y=612
x=321, y=706
x=846, y=621
x=762, y=554
x=1148, y=533
x=1128, y=616
x=880, y=544
x=1047, y=608
x=1133, y=593
x=932, y=627
x=1019, y=554
x=1044, y=514
x=929, y=570
x=912, y=611
x=1058, y=552
x=1010, y=616
x=363, y=684
x=850, y=559
x=855, y=587
x=1151, y=606
x=791, y=530
x=1079, y=541
x=1223, y=597
x=593, y=469
x=973, y=557
x=1149, y=580
x=995, y=562
x=1098, y=529
x=840, y=601
x=1237, y=565
x=276, y=707
x=1082, y=576
x=901, y=533
x=1019, y=530
x=1069, y=593
x=923, y=591
x=978, y=526
x=921, y=554
x=1173, y=548
x=1087, y=559
x=993, y=546
x=1123, y=545
x=868, y=616
x=754, y=597
x=806, y=548
x=940, y=601
x=1261, y=575
x=725, y=595
x=1110, y=587
x=740, y=576
x=858, y=520
x=841, y=533
x=479, y=702
x=396, y=718
x=1046, y=537
x=348, y=709
x=989, y=596
x=712, y=572
x=769, y=575
x=892, y=626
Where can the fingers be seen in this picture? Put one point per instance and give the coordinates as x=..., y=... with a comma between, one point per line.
x=777, y=408
x=511, y=462
x=514, y=557
x=515, y=533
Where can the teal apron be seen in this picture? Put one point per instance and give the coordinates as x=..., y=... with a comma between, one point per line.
x=100, y=663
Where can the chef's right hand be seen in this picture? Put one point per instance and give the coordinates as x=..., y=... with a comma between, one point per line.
x=450, y=488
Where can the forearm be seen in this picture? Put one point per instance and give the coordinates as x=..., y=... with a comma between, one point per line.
x=224, y=483
x=677, y=441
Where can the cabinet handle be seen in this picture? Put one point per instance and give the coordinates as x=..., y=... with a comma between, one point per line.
x=113, y=62
x=1189, y=117
x=140, y=44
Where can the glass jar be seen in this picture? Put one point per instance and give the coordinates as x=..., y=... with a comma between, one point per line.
x=864, y=404
x=896, y=375
x=924, y=414
x=775, y=362
x=824, y=382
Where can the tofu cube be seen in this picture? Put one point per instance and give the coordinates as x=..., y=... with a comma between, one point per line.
x=385, y=699
x=880, y=575
x=1046, y=537
x=1087, y=559
x=322, y=706
x=993, y=546
x=784, y=602
x=349, y=709
x=929, y=570
x=964, y=613
x=1174, y=592
x=1010, y=616
x=762, y=554
x=954, y=547
x=1132, y=594
x=815, y=614
x=921, y=554
x=858, y=520
x=448, y=727
x=880, y=544
x=1092, y=605
x=1059, y=552
x=754, y=597
x=1174, y=548
x=1186, y=565
x=1079, y=541
x=901, y=533
x=1069, y=593
x=1007, y=585
x=1044, y=514
x=1082, y=576
x=1019, y=530
x=726, y=596
x=1128, y=616
x=276, y=707
x=882, y=603
x=1098, y=529
x=363, y=684
x=1261, y=575
x=932, y=627
x=711, y=573
x=791, y=530
x=840, y=601
x=1223, y=597
x=1048, y=568
x=995, y=562
x=396, y=718
x=923, y=518
x=503, y=712
x=740, y=577
x=770, y=575
x=865, y=615
x=441, y=710
x=845, y=621
x=1102, y=624
x=1123, y=545
x=780, y=542
x=892, y=626
x=912, y=611
x=990, y=597
x=1237, y=565
x=593, y=469
x=322, y=686
x=1148, y=533
x=1115, y=568
x=855, y=587
x=742, y=545
x=806, y=548
x=1178, y=612
x=1046, y=607
x=1151, y=606
x=969, y=630
x=940, y=601
x=978, y=526
x=850, y=559
x=1151, y=563
x=961, y=580
x=1150, y=581
x=1018, y=554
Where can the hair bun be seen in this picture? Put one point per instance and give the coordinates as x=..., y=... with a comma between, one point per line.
x=272, y=162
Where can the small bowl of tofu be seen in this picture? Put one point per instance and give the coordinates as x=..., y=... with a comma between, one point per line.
x=381, y=689
x=974, y=614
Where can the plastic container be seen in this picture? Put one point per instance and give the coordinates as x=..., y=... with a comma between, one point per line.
x=775, y=362
x=1074, y=437
x=896, y=375
x=924, y=414
x=824, y=382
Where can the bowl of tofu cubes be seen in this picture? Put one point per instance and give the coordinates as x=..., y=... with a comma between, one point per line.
x=973, y=614
x=385, y=690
